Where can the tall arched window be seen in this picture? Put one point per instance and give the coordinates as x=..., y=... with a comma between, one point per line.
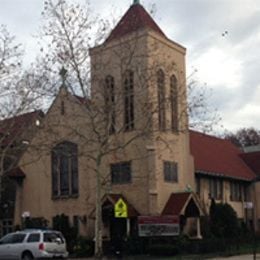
x=174, y=103
x=129, y=100
x=64, y=169
x=110, y=104
x=161, y=100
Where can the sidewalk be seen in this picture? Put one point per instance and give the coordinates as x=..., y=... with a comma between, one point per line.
x=238, y=257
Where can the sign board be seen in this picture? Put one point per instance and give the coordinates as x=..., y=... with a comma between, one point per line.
x=248, y=205
x=121, y=209
x=26, y=214
x=149, y=226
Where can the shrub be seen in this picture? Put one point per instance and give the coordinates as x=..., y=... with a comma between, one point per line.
x=135, y=245
x=223, y=221
x=61, y=223
x=163, y=250
x=84, y=247
x=35, y=223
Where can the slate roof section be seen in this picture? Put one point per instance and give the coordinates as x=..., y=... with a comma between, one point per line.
x=175, y=203
x=82, y=100
x=16, y=173
x=12, y=128
x=179, y=203
x=219, y=157
x=252, y=159
x=135, y=18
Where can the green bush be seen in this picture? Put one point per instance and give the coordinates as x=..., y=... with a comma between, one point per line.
x=61, y=223
x=223, y=221
x=40, y=222
x=163, y=250
x=83, y=247
x=134, y=246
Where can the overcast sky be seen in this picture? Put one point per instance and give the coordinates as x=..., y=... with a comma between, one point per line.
x=229, y=64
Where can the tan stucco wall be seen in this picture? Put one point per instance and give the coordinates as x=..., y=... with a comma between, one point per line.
x=35, y=195
x=238, y=206
x=146, y=53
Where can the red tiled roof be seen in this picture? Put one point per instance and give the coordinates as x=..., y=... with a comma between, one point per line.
x=16, y=173
x=135, y=18
x=252, y=159
x=176, y=203
x=214, y=155
x=12, y=128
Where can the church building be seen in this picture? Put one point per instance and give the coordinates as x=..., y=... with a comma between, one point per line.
x=130, y=140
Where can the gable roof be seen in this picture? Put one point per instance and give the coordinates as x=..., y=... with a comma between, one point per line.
x=177, y=203
x=16, y=173
x=252, y=159
x=83, y=100
x=219, y=157
x=12, y=128
x=113, y=198
x=135, y=18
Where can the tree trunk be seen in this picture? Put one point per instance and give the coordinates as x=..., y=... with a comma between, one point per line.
x=98, y=219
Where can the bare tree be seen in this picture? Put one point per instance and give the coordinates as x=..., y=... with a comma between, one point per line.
x=203, y=116
x=17, y=122
x=105, y=125
x=244, y=137
x=106, y=122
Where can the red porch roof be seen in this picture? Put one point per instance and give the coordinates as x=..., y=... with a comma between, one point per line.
x=16, y=173
x=177, y=203
x=12, y=128
x=218, y=156
x=113, y=198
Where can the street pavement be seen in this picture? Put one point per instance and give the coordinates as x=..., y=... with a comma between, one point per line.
x=238, y=257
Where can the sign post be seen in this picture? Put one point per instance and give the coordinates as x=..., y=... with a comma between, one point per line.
x=121, y=209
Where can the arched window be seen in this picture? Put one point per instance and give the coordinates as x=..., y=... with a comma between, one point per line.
x=174, y=103
x=161, y=100
x=129, y=100
x=110, y=104
x=64, y=169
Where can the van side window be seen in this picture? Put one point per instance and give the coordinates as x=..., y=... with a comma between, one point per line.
x=18, y=238
x=33, y=238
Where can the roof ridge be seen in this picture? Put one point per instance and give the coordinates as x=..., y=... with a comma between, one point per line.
x=37, y=111
x=214, y=137
x=135, y=18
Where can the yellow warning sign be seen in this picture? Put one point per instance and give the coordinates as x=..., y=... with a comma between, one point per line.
x=120, y=209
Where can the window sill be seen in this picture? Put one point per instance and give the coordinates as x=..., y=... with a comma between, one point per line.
x=65, y=197
x=234, y=200
x=125, y=183
x=171, y=182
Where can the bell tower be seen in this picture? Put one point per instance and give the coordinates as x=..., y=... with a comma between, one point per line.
x=145, y=75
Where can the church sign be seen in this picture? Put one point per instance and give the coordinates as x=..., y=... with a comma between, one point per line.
x=150, y=226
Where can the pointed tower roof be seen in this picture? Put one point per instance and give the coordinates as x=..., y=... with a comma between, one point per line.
x=135, y=18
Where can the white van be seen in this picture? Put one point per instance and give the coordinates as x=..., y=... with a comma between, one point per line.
x=33, y=244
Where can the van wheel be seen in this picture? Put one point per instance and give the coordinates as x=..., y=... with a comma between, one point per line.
x=27, y=256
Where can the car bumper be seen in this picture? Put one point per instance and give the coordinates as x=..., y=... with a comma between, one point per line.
x=46, y=255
